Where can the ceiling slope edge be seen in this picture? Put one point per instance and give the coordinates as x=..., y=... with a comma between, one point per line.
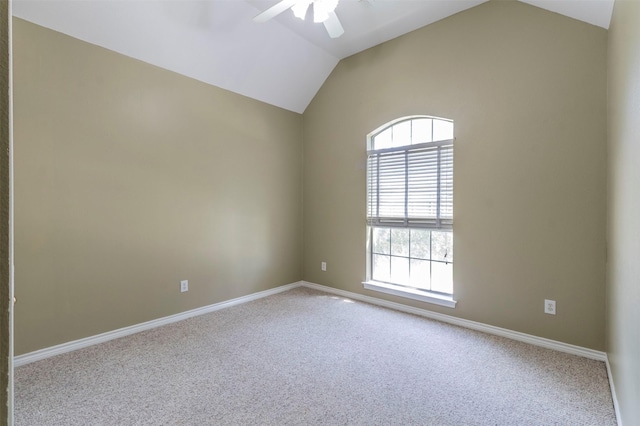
x=283, y=62
x=594, y=12
x=213, y=42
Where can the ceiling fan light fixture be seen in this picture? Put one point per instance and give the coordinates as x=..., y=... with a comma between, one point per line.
x=322, y=9
x=300, y=8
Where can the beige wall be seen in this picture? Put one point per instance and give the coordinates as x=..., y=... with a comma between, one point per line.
x=130, y=178
x=6, y=368
x=623, y=290
x=527, y=91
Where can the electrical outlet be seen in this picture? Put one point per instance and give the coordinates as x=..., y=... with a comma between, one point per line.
x=323, y=266
x=550, y=307
x=184, y=286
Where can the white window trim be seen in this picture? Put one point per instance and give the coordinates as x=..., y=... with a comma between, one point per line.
x=411, y=293
x=395, y=289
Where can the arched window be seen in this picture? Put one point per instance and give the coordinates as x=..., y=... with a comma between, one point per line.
x=410, y=207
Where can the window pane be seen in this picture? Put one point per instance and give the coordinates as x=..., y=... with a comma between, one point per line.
x=420, y=243
x=422, y=179
x=383, y=140
x=399, y=242
x=381, y=243
x=381, y=268
x=391, y=182
x=446, y=183
x=420, y=274
x=402, y=134
x=400, y=270
x=442, y=277
x=442, y=246
x=442, y=130
x=421, y=131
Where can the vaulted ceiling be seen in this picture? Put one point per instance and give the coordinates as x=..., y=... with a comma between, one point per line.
x=283, y=62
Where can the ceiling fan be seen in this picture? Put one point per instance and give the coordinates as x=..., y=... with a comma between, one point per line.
x=323, y=11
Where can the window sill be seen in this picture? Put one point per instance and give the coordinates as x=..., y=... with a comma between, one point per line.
x=421, y=295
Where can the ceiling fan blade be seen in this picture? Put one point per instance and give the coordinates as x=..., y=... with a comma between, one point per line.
x=333, y=26
x=274, y=11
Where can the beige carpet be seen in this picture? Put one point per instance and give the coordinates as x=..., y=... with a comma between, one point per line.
x=305, y=357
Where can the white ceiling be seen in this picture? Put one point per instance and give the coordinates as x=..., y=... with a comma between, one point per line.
x=283, y=62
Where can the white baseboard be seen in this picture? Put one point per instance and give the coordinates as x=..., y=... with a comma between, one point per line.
x=515, y=335
x=616, y=407
x=126, y=331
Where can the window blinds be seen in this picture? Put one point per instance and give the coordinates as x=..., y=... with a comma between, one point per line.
x=411, y=186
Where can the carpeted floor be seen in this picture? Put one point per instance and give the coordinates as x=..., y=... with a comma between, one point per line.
x=306, y=357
